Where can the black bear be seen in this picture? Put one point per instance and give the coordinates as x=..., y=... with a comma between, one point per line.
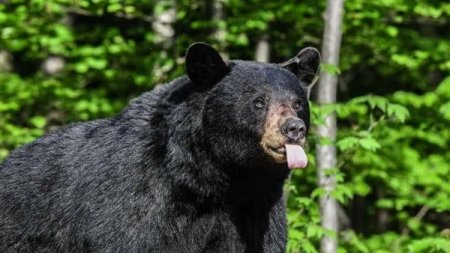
x=196, y=165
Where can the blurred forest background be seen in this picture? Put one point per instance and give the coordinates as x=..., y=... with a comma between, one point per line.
x=63, y=61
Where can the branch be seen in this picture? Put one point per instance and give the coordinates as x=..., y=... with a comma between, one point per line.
x=419, y=216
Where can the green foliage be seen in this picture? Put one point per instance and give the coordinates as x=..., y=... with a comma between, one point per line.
x=393, y=110
x=393, y=146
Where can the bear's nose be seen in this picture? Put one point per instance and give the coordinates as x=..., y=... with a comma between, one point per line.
x=294, y=129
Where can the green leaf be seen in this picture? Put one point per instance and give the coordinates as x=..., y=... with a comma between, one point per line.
x=369, y=143
x=399, y=112
x=38, y=121
x=348, y=143
x=444, y=110
x=330, y=69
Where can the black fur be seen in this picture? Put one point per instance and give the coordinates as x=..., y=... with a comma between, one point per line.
x=180, y=169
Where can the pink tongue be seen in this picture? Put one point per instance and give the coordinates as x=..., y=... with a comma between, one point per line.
x=296, y=156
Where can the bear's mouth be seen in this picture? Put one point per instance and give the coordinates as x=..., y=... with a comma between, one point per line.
x=277, y=153
x=279, y=150
x=292, y=153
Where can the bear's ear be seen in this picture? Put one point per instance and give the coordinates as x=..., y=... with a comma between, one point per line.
x=305, y=65
x=204, y=65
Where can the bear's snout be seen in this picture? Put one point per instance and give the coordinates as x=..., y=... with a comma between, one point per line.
x=294, y=129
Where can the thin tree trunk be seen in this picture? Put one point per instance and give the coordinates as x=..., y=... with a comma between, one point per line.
x=382, y=214
x=5, y=61
x=164, y=30
x=262, y=53
x=53, y=65
x=163, y=26
x=218, y=15
x=326, y=153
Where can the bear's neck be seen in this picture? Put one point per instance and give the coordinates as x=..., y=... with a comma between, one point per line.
x=213, y=182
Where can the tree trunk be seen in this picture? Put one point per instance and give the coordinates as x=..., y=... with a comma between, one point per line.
x=165, y=36
x=326, y=152
x=53, y=65
x=219, y=33
x=262, y=53
x=5, y=61
x=163, y=26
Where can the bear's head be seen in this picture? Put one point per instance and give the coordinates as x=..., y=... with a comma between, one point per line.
x=254, y=114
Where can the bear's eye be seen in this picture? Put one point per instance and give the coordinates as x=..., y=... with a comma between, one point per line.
x=296, y=105
x=259, y=102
